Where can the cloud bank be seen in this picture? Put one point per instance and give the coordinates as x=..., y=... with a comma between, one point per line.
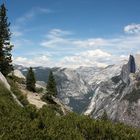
x=65, y=50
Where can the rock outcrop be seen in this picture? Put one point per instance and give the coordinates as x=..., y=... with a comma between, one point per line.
x=18, y=74
x=131, y=64
x=4, y=81
x=128, y=68
x=6, y=84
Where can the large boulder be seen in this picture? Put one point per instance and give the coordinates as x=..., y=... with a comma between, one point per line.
x=4, y=81
x=18, y=74
x=6, y=84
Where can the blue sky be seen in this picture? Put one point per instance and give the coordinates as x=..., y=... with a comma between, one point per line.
x=71, y=33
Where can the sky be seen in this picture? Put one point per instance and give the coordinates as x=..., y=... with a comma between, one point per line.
x=73, y=33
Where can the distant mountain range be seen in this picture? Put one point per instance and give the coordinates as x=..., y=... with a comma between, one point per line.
x=91, y=90
x=41, y=73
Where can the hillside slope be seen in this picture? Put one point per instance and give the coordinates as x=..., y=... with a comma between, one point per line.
x=28, y=123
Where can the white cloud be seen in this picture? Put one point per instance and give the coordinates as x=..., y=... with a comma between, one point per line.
x=88, y=58
x=93, y=42
x=32, y=13
x=56, y=42
x=90, y=52
x=132, y=28
x=95, y=53
x=83, y=52
x=36, y=61
x=56, y=37
x=54, y=33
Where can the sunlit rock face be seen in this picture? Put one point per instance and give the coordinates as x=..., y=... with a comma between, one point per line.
x=4, y=81
x=137, y=59
x=18, y=74
x=76, y=87
x=73, y=88
x=92, y=90
x=119, y=96
x=128, y=68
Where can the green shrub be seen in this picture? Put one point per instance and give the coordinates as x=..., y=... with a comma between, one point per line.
x=48, y=99
x=15, y=89
x=16, y=79
x=39, y=90
x=17, y=123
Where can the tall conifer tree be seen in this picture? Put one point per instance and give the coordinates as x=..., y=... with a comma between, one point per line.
x=5, y=45
x=51, y=85
x=30, y=80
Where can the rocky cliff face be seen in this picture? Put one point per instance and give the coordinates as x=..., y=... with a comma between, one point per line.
x=114, y=89
x=91, y=91
x=73, y=89
x=76, y=87
x=119, y=96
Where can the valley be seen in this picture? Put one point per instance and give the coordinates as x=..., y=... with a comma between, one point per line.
x=91, y=91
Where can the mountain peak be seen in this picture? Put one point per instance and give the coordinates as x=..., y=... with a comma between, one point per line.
x=132, y=64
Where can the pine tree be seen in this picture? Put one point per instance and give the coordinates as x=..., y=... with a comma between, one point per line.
x=51, y=85
x=5, y=45
x=30, y=80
